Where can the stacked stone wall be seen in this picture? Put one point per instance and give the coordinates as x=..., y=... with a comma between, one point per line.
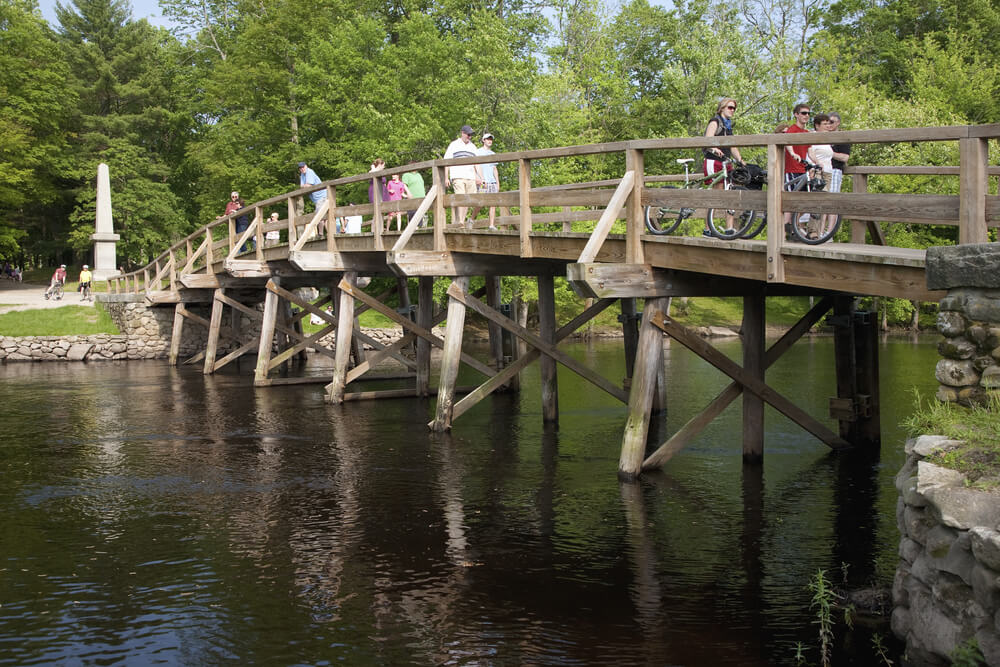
x=947, y=586
x=969, y=371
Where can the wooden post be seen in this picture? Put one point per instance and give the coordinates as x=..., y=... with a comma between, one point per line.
x=258, y=234
x=753, y=364
x=267, y=327
x=377, y=222
x=425, y=314
x=293, y=233
x=845, y=363
x=212, y=345
x=403, y=290
x=232, y=236
x=635, y=224
x=649, y=357
x=342, y=354
x=775, y=218
x=972, y=191
x=439, y=209
x=209, y=252
x=518, y=313
x=496, y=333
x=859, y=184
x=524, y=202
x=868, y=431
x=450, y=359
x=175, y=335
x=331, y=219
x=547, y=332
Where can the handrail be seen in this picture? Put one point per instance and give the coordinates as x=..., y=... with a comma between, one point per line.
x=974, y=209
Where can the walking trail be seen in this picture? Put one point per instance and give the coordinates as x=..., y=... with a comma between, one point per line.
x=31, y=296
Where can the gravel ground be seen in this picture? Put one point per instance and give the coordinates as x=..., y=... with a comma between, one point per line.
x=31, y=296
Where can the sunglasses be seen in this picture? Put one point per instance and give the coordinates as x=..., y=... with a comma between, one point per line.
x=805, y=113
x=731, y=107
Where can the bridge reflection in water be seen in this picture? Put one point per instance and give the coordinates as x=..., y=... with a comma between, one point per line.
x=208, y=267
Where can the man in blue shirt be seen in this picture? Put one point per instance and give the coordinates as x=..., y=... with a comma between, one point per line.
x=308, y=177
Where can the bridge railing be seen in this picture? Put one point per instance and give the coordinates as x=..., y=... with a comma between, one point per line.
x=973, y=210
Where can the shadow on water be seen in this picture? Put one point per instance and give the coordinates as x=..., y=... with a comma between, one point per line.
x=158, y=514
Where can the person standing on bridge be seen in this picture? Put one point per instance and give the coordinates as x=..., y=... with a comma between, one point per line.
x=465, y=178
x=721, y=125
x=308, y=177
x=234, y=204
x=841, y=153
x=490, y=176
x=795, y=156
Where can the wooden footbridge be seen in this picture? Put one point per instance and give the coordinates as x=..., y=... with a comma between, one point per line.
x=536, y=238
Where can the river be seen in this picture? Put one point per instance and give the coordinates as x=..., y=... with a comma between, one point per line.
x=153, y=515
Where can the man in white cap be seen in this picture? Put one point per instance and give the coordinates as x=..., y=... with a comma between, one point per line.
x=84, y=283
x=463, y=179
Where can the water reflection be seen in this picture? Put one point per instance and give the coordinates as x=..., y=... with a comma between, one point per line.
x=155, y=513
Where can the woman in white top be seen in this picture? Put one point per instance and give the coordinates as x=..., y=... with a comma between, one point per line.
x=822, y=155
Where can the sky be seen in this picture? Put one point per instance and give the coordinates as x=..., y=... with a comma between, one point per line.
x=148, y=9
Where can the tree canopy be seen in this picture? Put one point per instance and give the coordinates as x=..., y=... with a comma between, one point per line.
x=240, y=91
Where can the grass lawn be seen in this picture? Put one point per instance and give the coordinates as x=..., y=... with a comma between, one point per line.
x=65, y=321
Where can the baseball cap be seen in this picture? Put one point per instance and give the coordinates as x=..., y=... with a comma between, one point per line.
x=86, y=266
x=302, y=164
x=62, y=266
x=466, y=129
x=487, y=136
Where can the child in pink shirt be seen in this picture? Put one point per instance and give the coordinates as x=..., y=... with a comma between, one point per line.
x=397, y=190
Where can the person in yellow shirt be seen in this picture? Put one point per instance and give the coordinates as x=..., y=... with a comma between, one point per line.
x=85, y=279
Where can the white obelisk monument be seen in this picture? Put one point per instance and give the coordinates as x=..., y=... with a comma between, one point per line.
x=105, y=263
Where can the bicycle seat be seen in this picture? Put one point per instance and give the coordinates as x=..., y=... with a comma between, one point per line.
x=685, y=160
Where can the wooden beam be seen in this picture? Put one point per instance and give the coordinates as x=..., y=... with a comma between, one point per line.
x=411, y=263
x=175, y=334
x=425, y=311
x=545, y=347
x=635, y=220
x=973, y=156
x=730, y=368
x=547, y=333
x=509, y=373
x=775, y=270
x=345, y=328
x=324, y=260
x=268, y=323
x=212, y=345
x=696, y=424
x=524, y=204
x=416, y=219
x=603, y=227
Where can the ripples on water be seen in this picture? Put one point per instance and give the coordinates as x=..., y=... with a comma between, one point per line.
x=154, y=515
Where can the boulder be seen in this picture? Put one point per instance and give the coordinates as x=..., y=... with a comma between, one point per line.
x=986, y=546
x=951, y=323
x=926, y=445
x=956, y=373
x=79, y=351
x=967, y=265
x=956, y=348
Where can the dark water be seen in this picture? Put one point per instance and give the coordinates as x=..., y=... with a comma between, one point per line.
x=152, y=515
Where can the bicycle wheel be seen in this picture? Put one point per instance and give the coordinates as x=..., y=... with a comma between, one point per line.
x=759, y=225
x=718, y=219
x=814, y=228
x=662, y=220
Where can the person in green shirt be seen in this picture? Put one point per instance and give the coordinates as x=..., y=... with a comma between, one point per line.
x=414, y=182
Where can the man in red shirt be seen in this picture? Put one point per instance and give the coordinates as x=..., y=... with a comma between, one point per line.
x=795, y=156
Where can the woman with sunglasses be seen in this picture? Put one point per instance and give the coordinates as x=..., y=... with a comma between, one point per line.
x=721, y=125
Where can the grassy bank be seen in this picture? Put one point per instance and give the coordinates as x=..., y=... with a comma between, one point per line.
x=65, y=321
x=979, y=428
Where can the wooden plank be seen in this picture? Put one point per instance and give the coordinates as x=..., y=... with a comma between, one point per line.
x=696, y=424
x=247, y=268
x=324, y=260
x=926, y=209
x=537, y=342
x=522, y=361
x=609, y=281
x=772, y=397
x=559, y=216
x=451, y=357
x=649, y=358
x=268, y=323
x=412, y=263
x=439, y=209
x=236, y=354
x=603, y=228
x=395, y=393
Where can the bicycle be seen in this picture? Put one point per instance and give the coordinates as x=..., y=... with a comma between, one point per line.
x=85, y=288
x=55, y=293
x=807, y=226
x=662, y=220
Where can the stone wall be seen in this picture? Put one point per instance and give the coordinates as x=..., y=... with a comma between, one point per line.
x=947, y=585
x=969, y=320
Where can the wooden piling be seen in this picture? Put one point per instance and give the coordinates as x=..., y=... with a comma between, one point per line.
x=649, y=357
x=547, y=332
x=345, y=329
x=450, y=359
x=212, y=345
x=495, y=331
x=753, y=365
x=267, y=327
x=425, y=313
x=176, y=333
